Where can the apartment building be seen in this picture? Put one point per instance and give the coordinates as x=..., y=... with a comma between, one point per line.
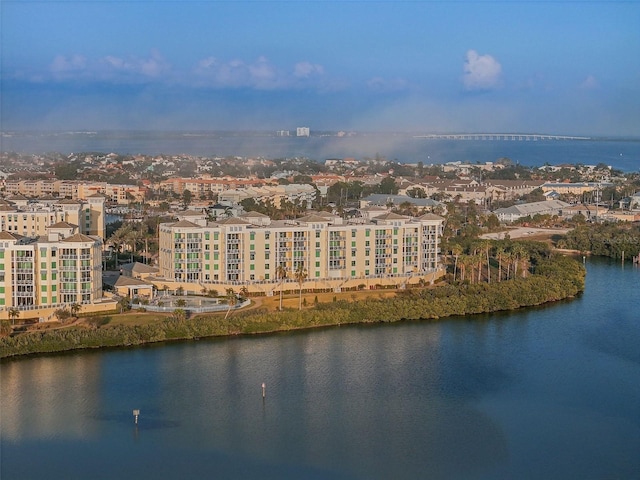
x=75, y=190
x=63, y=268
x=32, y=218
x=247, y=251
x=203, y=188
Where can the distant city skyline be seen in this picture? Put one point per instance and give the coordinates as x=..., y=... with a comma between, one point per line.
x=535, y=67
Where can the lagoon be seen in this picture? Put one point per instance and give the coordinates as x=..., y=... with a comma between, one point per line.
x=550, y=392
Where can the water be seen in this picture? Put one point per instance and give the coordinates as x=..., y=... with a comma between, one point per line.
x=621, y=154
x=551, y=393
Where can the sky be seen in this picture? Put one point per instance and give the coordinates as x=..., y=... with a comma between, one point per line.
x=560, y=67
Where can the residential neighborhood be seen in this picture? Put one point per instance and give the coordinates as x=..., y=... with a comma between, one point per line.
x=196, y=224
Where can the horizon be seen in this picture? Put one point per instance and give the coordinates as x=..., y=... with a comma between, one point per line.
x=365, y=66
x=331, y=132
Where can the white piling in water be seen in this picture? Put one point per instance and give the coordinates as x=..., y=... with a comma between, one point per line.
x=136, y=414
x=264, y=390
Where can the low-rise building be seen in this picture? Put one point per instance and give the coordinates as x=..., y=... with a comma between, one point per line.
x=515, y=212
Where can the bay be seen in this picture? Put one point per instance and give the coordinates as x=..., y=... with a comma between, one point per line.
x=549, y=392
x=622, y=154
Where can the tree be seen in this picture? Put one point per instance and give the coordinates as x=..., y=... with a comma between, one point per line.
x=62, y=314
x=179, y=314
x=500, y=257
x=74, y=308
x=486, y=245
x=124, y=304
x=13, y=313
x=301, y=276
x=232, y=300
x=244, y=291
x=388, y=186
x=187, y=196
x=456, y=251
x=5, y=328
x=281, y=273
x=181, y=302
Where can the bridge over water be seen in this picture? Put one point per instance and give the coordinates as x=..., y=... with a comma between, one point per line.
x=529, y=137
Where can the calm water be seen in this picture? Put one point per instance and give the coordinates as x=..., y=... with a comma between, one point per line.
x=548, y=393
x=623, y=155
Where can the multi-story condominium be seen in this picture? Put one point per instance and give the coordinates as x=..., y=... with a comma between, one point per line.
x=77, y=190
x=247, y=251
x=202, y=188
x=32, y=218
x=60, y=269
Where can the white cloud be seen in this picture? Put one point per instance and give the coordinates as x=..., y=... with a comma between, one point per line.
x=65, y=67
x=211, y=72
x=379, y=84
x=481, y=72
x=307, y=69
x=589, y=83
x=236, y=73
x=153, y=66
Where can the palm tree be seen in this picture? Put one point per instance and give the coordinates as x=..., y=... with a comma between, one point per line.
x=456, y=251
x=14, y=313
x=281, y=273
x=464, y=261
x=486, y=245
x=301, y=276
x=244, y=291
x=232, y=300
x=518, y=253
x=500, y=257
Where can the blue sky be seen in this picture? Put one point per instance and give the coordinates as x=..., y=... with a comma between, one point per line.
x=569, y=67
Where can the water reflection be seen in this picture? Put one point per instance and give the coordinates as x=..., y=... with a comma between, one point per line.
x=49, y=397
x=451, y=399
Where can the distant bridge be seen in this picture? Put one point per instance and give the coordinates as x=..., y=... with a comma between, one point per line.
x=499, y=136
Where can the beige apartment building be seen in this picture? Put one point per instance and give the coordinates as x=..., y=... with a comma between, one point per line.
x=247, y=251
x=32, y=218
x=38, y=276
x=75, y=190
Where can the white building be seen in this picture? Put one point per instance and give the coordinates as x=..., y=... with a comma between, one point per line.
x=302, y=132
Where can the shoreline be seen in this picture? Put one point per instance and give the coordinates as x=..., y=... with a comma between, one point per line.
x=560, y=279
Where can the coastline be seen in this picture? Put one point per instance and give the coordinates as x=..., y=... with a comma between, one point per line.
x=558, y=279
